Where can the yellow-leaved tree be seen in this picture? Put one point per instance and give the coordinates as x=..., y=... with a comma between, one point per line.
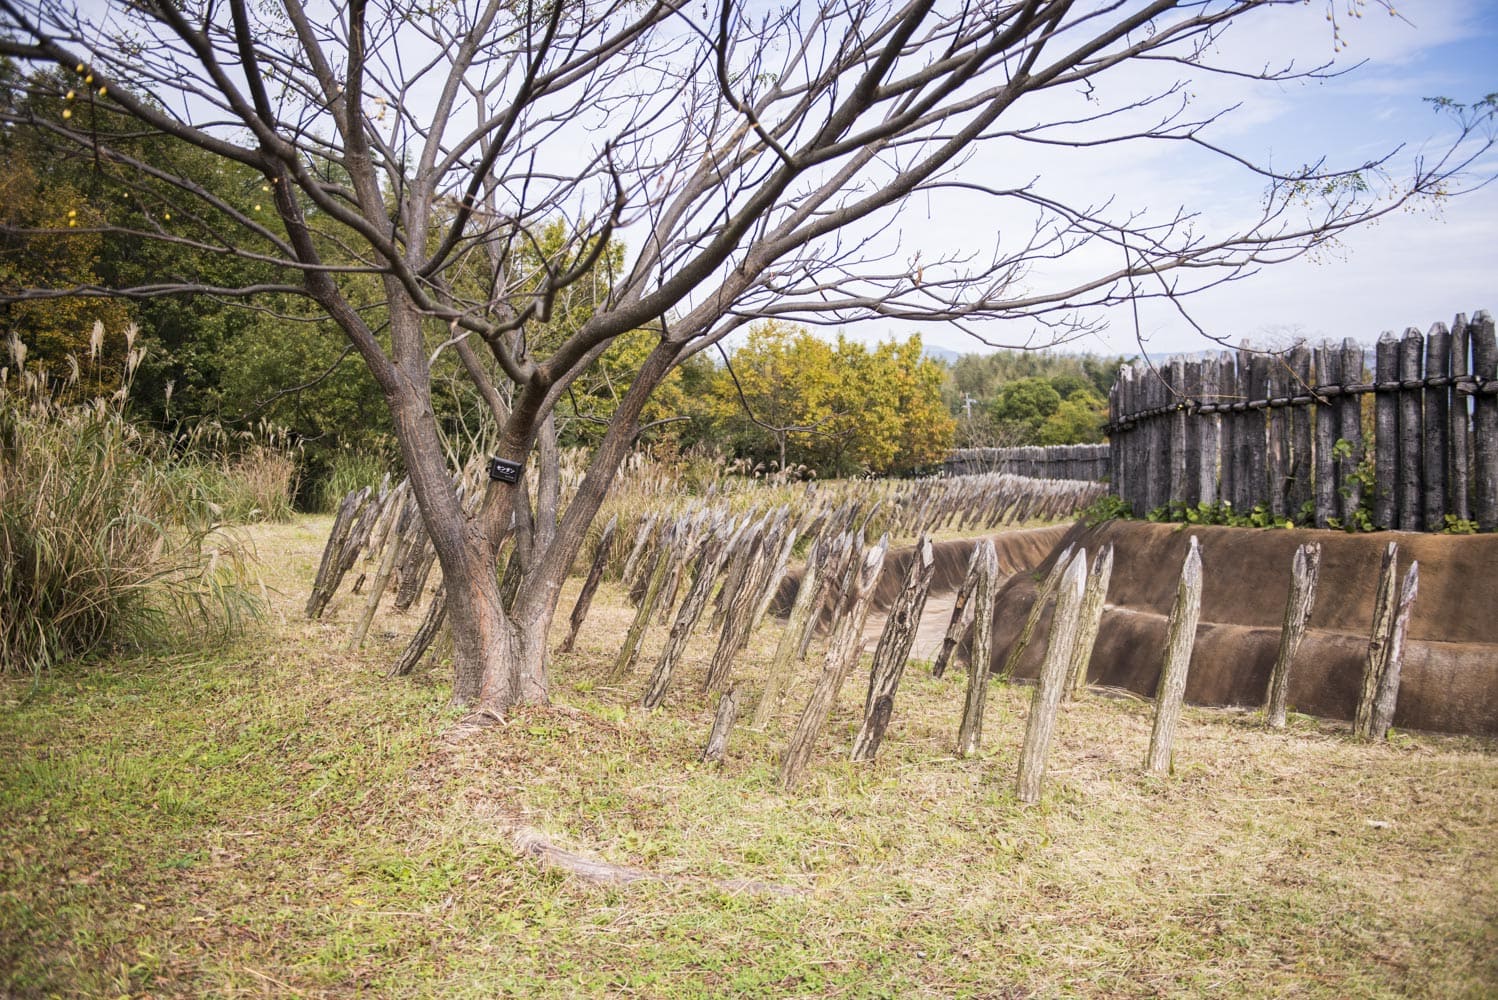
x=786, y=398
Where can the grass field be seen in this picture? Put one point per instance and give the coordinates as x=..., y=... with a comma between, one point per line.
x=274, y=818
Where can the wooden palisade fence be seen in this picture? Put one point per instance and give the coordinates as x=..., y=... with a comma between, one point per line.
x=1285, y=430
x=1057, y=461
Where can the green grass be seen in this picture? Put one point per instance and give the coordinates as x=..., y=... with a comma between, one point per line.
x=277, y=819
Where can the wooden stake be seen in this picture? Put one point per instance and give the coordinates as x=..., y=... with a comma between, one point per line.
x=1093, y=599
x=1180, y=637
x=630, y=651
x=785, y=650
x=1042, y=597
x=590, y=583
x=709, y=561
x=894, y=649
x=1388, y=686
x=837, y=580
x=723, y=720
x=642, y=537
x=970, y=732
x=376, y=593
x=1053, y=678
x=842, y=653
x=741, y=555
x=738, y=618
x=769, y=581
x=1304, y=571
x=331, y=568
x=431, y=627
x=962, y=614
x=1385, y=599
x=413, y=571
x=1391, y=612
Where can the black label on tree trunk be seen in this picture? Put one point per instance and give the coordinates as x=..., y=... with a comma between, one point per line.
x=502, y=471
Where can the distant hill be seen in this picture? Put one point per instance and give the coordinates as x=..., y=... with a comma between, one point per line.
x=942, y=354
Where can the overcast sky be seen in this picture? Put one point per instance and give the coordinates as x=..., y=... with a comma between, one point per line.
x=1410, y=269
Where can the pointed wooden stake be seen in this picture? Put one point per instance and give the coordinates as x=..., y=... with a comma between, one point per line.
x=1042, y=597
x=962, y=614
x=894, y=649
x=1303, y=574
x=970, y=732
x=1094, y=597
x=1391, y=615
x=1180, y=638
x=590, y=584
x=842, y=653
x=1053, y=678
x=723, y=719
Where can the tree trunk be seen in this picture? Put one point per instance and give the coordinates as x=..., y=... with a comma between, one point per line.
x=500, y=655
x=499, y=662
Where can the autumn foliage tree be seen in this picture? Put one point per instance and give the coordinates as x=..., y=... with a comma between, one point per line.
x=756, y=160
x=786, y=397
x=55, y=330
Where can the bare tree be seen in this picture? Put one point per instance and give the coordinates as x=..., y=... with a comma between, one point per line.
x=758, y=160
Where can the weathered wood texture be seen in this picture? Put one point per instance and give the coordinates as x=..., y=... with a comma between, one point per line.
x=1053, y=677
x=1391, y=614
x=1042, y=597
x=894, y=649
x=426, y=634
x=704, y=575
x=1303, y=574
x=1068, y=461
x=382, y=574
x=962, y=614
x=970, y=730
x=379, y=528
x=743, y=604
x=1094, y=596
x=590, y=583
x=339, y=552
x=1180, y=638
x=1283, y=431
x=842, y=653
x=723, y=720
x=629, y=652
x=779, y=674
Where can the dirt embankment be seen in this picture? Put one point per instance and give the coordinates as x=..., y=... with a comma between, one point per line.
x=1450, y=676
x=1449, y=681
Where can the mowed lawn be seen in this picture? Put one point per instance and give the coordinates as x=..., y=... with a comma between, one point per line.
x=275, y=818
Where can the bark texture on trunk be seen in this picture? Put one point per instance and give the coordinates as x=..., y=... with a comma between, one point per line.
x=499, y=652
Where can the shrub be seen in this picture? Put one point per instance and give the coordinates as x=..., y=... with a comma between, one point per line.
x=260, y=482
x=250, y=475
x=350, y=470
x=107, y=541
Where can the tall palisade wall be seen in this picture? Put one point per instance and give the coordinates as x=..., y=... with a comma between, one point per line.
x=1290, y=430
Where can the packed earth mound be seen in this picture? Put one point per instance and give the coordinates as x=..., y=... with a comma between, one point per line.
x=1450, y=675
